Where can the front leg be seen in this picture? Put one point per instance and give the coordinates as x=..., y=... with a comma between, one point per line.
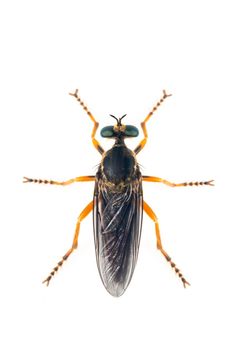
x=143, y=124
x=63, y=183
x=172, y=184
x=96, y=124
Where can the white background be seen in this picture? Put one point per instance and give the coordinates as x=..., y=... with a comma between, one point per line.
x=120, y=54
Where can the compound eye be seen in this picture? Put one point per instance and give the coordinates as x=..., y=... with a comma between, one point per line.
x=131, y=131
x=107, y=131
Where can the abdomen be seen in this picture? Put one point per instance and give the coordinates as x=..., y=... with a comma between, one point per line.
x=117, y=232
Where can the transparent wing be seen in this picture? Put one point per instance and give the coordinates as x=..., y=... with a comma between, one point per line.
x=117, y=231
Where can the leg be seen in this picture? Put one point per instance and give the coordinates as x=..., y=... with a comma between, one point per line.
x=96, y=124
x=172, y=184
x=63, y=183
x=153, y=217
x=143, y=124
x=83, y=214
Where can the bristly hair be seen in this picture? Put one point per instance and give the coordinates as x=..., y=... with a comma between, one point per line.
x=118, y=120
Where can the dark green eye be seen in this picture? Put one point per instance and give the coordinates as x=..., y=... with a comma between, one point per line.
x=107, y=131
x=131, y=131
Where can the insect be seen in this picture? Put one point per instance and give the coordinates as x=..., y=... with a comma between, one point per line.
x=118, y=204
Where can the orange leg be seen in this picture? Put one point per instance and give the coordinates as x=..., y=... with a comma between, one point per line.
x=153, y=217
x=63, y=183
x=96, y=124
x=143, y=124
x=172, y=184
x=82, y=216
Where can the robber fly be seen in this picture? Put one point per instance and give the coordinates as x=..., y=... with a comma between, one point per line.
x=118, y=204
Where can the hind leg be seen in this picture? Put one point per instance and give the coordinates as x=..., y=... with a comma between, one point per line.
x=153, y=217
x=82, y=216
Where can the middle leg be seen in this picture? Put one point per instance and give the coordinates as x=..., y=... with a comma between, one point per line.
x=153, y=217
x=172, y=184
x=62, y=183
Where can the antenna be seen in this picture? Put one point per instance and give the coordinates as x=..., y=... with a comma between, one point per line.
x=114, y=118
x=118, y=120
x=122, y=118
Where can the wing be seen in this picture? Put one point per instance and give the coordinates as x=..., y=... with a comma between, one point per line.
x=117, y=232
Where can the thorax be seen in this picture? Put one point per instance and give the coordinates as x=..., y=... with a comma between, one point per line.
x=119, y=165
